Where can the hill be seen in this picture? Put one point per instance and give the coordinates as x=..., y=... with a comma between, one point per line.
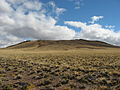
x=62, y=44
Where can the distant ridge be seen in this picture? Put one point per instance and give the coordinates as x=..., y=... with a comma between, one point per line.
x=79, y=43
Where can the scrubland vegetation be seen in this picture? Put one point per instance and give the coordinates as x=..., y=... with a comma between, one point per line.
x=84, y=69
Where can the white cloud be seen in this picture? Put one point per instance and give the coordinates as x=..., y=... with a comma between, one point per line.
x=77, y=7
x=77, y=3
x=24, y=19
x=15, y=1
x=36, y=5
x=52, y=3
x=28, y=20
x=6, y=20
x=95, y=32
x=4, y=7
x=76, y=24
x=96, y=18
x=7, y=39
x=56, y=10
x=110, y=26
x=60, y=11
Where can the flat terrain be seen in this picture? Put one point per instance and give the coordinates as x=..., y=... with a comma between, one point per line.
x=82, y=69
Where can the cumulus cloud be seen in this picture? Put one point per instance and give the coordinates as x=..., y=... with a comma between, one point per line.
x=96, y=18
x=95, y=32
x=4, y=7
x=23, y=19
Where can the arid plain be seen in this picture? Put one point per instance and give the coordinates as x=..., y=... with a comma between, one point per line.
x=60, y=67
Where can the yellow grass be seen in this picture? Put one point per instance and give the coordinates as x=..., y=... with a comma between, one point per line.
x=71, y=69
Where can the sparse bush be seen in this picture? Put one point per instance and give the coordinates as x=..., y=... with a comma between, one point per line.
x=7, y=87
x=28, y=87
x=44, y=82
x=64, y=81
x=18, y=77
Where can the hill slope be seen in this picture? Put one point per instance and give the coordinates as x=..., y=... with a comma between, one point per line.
x=62, y=44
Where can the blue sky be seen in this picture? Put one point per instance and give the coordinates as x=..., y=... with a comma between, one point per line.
x=88, y=8
x=59, y=20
